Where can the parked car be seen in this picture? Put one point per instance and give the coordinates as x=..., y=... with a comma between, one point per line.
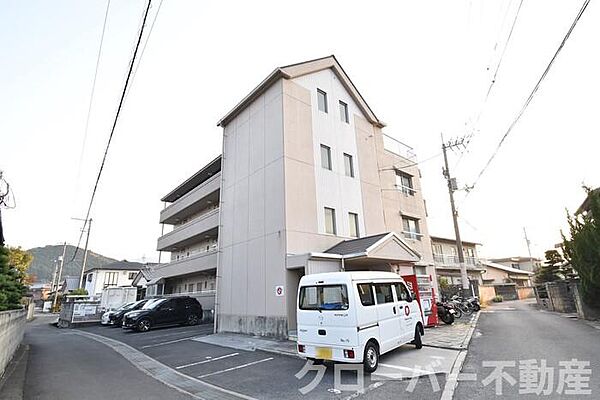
x=164, y=311
x=115, y=317
x=356, y=316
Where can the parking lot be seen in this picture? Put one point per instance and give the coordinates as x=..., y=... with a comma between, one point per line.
x=266, y=375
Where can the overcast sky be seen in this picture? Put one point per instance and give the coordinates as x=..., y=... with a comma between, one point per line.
x=423, y=68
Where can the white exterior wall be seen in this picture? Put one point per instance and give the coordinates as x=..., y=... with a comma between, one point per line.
x=252, y=233
x=334, y=188
x=97, y=284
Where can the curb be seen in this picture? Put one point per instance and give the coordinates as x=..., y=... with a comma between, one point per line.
x=12, y=383
x=452, y=380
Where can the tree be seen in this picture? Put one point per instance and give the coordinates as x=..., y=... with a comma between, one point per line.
x=11, y=285
x=550, y=271
x=582, y=249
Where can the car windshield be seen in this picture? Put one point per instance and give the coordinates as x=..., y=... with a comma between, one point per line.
x=130, y=306
x=324, y=297
x=124, y=307
x=152, y=304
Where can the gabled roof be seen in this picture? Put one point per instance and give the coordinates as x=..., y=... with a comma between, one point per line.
x=300, y=69
x=369, y=246
x=506, y=269
x=119, y=266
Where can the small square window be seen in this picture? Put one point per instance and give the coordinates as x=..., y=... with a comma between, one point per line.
x=326, y=157
x=353, y=220
x=322, y=100
x=349, y=165
x=344, y=112
x=330, y=221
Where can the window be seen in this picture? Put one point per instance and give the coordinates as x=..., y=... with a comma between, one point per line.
x=437, y=249
x=353, y=220
x=198, y=287
x=366, y=294
x=190, y=287
x=411, y=228
x=330, y=221
x=326, y=157
x=322, y=100
x=401, y=292
x=349, y=165
x=344, y=112
x=111, y=279
x=326, y=297
x=383, y=293
x=404, y=182
x=89, y=277
x=132, y=275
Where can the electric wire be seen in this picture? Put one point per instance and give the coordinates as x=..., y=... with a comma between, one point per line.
x=114, y=125
x=531, y=95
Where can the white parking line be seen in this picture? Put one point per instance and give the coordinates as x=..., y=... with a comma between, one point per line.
x=234, y=368
x=169, y=342
x=417, y=370
x=207, y=361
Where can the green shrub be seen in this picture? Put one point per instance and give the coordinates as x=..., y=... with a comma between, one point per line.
x=498, y=299
x=79, y=292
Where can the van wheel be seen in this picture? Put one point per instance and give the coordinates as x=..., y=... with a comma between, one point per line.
x=371, y=357
x=192, y=320
x=417, y=341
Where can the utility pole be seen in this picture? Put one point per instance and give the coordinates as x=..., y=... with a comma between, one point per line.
x=529, y=249
x=452, y=187
x=52, y=288
x=88, y=222
x=62, y=262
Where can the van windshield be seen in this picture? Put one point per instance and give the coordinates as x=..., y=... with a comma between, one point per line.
x=324, y=297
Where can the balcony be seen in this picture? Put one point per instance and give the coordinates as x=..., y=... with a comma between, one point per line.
x=451, y=261
x=397, y=147
x=200, y=197
x=198, y=262
x=205, y=225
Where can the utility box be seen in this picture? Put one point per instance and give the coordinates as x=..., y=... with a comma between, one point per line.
x=114, y=297
x=422, y=287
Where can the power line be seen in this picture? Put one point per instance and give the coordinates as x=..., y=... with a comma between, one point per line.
x=150, y=30
x=114, y=125
x=89, y=112
x=532, y=94
x=493, y=80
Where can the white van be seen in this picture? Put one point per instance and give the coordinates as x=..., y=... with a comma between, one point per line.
x=355, y=316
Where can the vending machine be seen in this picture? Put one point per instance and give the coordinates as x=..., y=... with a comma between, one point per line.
x=422, y=287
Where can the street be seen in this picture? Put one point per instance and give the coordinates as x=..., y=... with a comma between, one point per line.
x=516, y=331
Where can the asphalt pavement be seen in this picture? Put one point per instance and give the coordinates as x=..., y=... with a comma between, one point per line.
x=514, y=338
x=99, y=362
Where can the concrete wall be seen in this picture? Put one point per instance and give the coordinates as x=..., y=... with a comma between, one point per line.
x=252, y=226
x=486, y=294
x=12, y=328
x=525, y=293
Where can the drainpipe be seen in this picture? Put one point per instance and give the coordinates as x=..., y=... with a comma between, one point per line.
x=343, y=264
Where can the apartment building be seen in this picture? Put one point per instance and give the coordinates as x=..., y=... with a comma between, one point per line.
x=309, y=183
x=445, y=257
x=192, y=214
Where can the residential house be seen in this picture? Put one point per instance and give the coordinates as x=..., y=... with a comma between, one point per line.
x=496, y=274
x=523, y=263
x=307, y=183
x=445, y=258
x=119, y=273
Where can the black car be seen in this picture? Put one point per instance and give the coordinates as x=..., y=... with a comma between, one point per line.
x=164, y=311
x=115, y=317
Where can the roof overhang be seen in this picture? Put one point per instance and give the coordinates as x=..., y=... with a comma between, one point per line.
x=300, y=69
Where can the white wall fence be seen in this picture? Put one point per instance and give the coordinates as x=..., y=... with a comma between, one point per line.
x=12, y=328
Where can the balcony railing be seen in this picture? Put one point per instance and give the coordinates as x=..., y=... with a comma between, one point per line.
x=397, y=147
x=168, y=214
x=451, y=260
x=189, y=230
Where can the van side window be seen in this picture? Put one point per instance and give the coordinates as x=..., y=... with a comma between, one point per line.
x=383, y=293
x=366, y=294
x=401, y=292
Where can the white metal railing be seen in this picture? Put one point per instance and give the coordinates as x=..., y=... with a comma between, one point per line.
x=412, y=235
x=448, y=259
x=407, y=190
x=397, y=147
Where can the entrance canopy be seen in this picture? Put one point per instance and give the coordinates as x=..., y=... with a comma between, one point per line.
x=370, y=252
